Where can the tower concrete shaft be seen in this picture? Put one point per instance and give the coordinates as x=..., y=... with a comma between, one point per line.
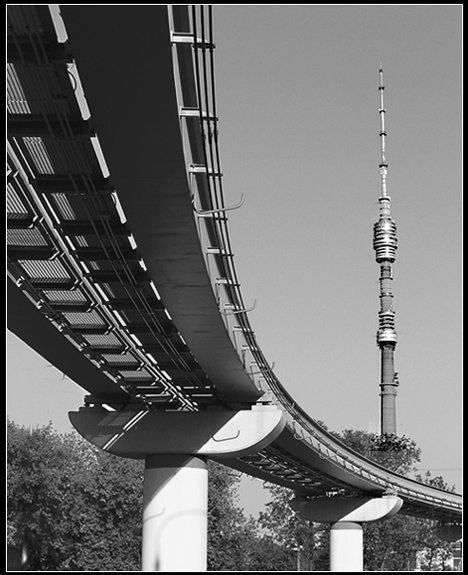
x=385, y=245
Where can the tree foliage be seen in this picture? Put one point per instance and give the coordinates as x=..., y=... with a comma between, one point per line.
x=234, y=542
x=392, y=545
x=77, y=508
x=396, y=453
x=306, y=544
x=228, y=530
x=72, y=506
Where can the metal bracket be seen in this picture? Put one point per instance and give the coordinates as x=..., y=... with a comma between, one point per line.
x=189, y=38
x=209, y=213
x=187, y=112
x=236, y=311
x=262, y=371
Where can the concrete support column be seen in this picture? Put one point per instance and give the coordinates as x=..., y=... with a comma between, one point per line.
x=175, y=499
x=346, y=547
x=174, y=445
x=346, y=514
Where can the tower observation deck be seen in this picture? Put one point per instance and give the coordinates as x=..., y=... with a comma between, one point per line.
x=385, y=245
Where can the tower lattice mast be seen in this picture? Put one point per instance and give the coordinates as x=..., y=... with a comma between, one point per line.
x=385, y=245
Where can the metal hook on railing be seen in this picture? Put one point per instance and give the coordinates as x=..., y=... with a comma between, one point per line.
x=236, y=311
x=209, y=213
x=301, y=435
x=296, y=434
x=327, y=456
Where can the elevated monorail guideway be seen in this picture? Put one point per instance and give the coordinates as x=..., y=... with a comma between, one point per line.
x=121, y=272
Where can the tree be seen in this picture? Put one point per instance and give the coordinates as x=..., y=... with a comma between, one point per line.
x=77, y=508
x=71, y=505
x=394, y=544
x=306, y=544
x=396, y=453
x=391, y=545
x=234, y=543
x=436, y=554
x=227, y=528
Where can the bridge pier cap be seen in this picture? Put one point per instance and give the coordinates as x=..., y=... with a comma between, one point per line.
x=175, y=446
x=355, y=509
x=210, y=433
x=347, y=514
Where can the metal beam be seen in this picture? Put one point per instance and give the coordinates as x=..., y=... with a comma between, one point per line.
x=73, y=183
x=42, y=125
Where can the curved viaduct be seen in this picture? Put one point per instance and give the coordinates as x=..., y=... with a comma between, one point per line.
x=121, y=271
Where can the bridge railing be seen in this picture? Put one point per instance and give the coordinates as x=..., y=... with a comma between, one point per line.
x=193, y=44
x=55, y=206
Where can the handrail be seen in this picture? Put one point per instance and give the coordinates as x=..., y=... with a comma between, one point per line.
x=296, y=414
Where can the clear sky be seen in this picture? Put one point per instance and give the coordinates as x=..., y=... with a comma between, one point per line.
x=299, y=126
x=299, y=136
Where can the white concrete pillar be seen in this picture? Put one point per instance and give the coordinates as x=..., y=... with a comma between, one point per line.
x=175, y=503
x=346, y=514
x=174, y=445
x=346, y=547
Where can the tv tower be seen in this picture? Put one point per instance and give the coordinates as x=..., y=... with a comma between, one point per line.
x=385, y=245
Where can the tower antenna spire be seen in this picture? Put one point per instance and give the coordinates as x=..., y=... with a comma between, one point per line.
x=385, y=245
x=383, y=135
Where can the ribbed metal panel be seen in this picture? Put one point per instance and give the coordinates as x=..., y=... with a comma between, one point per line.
x=16, y=209
x=81, y=241
x=71, y=208
x=45, y=271
x=42, y=87
x=62, y=203
x=17, y=102
x=125, y=358
x=136, y=375
x=88, y=319
x=109, y=340
x=29, y=237
x=39, y=155
x=62, y=297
